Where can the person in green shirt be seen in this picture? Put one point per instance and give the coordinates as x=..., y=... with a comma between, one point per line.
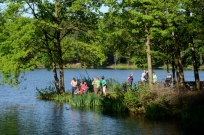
x=103, y=83
x=96, y=84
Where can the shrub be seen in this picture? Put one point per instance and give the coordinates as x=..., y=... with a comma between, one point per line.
x=155, y=110
x=137, y=100
x=113, y=103
x=46, y=93
x=113, y=85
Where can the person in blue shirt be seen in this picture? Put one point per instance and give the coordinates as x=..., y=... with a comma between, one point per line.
x=104, y=85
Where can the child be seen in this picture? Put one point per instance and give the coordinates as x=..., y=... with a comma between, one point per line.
x=83, y=87
x=103, y=82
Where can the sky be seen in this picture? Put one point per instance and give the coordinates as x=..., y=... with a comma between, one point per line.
x=104, y=9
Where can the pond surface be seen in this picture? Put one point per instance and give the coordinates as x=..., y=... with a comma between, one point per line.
x=22, y=114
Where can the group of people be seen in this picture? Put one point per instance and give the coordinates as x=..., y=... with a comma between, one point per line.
x=99, y=84
x=102, y=84
x=145, y=77
x=83, y=87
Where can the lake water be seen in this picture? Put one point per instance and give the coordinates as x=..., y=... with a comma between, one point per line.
x=22, y=114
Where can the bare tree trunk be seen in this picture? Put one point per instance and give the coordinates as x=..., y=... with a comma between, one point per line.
x=54, y=70
x=115, y=59
x=180, y=69
x=173, y=69
x=195, y=67
x=59, y=50
x=149, y=58
x=167, y=62
x=61, y=68
x=179, y=64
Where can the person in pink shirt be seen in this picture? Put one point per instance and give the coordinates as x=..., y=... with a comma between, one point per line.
x=83, y=87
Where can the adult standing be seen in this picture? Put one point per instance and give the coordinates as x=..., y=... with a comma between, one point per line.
x=104, y=85
x=168, y=80
x=74, y=86
x=168, y=76
x=143, y=78
x=130, y=78
x=96, y=85
x=154, y=78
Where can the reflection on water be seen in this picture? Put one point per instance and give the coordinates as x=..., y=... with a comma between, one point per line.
x=22, y=114
x=51, y=118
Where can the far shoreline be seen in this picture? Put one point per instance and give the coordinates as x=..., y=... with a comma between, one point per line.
x=118, y=66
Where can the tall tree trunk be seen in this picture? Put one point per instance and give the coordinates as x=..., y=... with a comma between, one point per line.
x=179, y=64
x=59, y=50
x=167, y=62
x=180, y=68
x=115, y=59
x=149, y=59
x=173, y=69
x=61, y=68
x=195, y=67
x=54, y=68
x=148, y=49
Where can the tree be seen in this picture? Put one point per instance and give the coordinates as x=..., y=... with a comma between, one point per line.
x=53, y=27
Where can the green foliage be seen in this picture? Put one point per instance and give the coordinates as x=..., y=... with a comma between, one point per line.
x=114, y=86
x=156, y=110
x=131, y=100
x=137, y=100
x=47, y=93
x=16, y=57
x=127, y=86
x=113, y=103
x=86, y=100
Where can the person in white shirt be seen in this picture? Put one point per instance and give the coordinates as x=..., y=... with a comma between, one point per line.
x=168, y=76
x=74, y=86
x=154, y=78
x=143, y=78
x=168, y=79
